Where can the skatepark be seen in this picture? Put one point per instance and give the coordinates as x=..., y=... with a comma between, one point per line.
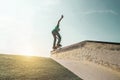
x=91, y=60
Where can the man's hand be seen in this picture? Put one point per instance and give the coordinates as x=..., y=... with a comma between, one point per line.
x=62, y=16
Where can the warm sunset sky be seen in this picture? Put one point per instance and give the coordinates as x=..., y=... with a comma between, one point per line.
x=26, y=25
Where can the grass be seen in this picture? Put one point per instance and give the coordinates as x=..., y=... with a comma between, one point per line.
x=13, y=67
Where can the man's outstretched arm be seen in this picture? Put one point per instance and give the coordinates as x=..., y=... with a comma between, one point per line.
x=60, y=20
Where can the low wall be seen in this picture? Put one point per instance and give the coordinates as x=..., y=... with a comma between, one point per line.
x=102, y=53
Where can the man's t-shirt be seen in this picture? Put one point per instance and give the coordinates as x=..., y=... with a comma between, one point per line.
x=56, y=29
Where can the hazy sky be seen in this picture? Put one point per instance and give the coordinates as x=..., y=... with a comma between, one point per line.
x=26, y=25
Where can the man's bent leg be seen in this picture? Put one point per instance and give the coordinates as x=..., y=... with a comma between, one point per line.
x=59, y=39
x=54, y=43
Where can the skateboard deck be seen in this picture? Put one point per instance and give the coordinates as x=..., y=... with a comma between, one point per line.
x=58, y=48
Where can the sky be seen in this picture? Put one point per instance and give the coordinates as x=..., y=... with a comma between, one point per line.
x=26, y=25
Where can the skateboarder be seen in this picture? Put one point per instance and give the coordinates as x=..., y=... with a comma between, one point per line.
x=56, y=35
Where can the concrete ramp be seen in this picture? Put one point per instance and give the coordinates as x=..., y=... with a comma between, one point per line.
x=91, y=60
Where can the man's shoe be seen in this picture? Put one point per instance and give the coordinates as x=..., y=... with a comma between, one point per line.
x=59, y=45
x=54, y=47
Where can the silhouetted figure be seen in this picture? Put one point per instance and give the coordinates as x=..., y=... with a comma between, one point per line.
x=56, y=35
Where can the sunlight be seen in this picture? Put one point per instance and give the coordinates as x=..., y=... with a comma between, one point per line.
x=28, y=54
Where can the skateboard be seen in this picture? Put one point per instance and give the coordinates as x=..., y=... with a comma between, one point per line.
x=58, y=48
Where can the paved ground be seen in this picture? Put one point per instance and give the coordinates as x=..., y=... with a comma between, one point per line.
x=89, y=71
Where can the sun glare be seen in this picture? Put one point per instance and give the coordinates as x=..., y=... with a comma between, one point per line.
x=29, y=54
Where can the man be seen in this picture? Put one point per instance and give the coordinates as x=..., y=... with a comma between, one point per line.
x=56, y=35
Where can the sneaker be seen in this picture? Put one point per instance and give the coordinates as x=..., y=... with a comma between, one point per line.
x=54, y=47
x=59, y=45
